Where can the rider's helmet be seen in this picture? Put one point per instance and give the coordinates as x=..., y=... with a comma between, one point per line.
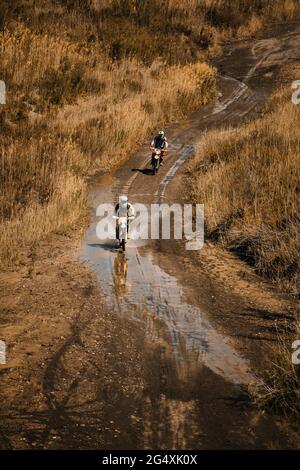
x=123, y=199
x=161, y=134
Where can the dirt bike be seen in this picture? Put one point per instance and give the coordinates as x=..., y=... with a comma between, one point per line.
x=155, y=160
x=122, y=230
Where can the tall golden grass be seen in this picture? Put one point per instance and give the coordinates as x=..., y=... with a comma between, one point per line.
x=181, y=31
x=57, y=130
x=27, y=55
x=248, y=179
x=208, y=19
x=280, y=391
x=137, y=100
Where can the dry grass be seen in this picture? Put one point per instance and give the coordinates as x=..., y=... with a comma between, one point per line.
x=280, y=391
x=83, y=92
x=27, y=55
x=65, y=205
x=137, y=100
x=71, y=111
x=248, y=179
x=179, y=31
x=284, y=9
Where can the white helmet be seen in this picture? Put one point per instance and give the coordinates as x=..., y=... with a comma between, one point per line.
x=123, y=199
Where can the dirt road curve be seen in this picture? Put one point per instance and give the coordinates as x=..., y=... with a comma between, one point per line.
x=190, y=318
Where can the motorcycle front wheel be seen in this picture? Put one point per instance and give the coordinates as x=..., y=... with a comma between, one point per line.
x=123, y=244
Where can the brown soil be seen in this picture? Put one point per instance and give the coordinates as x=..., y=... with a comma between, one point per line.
x=71, y=362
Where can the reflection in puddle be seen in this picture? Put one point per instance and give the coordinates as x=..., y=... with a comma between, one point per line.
x=120, y=273
x=182, y=352
x=138, y=288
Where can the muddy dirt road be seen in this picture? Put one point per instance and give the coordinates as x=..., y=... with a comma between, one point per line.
x=166, y=362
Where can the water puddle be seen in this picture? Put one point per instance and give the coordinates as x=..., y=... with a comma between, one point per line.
x=135, y=286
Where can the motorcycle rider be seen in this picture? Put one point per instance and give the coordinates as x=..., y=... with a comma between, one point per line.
x=160, y=142
x=123, y=209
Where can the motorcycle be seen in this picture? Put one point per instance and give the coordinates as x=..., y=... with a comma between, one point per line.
x=155, y=160
x=122, y=230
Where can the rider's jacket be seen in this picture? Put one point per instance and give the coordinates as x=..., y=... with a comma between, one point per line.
x=159, y=142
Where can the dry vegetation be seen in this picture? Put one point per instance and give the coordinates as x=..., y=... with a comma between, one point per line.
x=88, y=80
x=248, y=179
x=72, y=110
x=280, y=391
